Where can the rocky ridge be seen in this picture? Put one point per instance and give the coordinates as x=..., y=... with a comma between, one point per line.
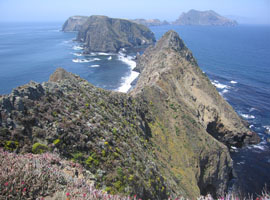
x=74, y=23
x=193, y=125
x=104, y=34
x=160, y=140
x=210, y=18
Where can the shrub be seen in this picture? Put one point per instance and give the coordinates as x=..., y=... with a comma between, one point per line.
x=38, y=148
x=56, y=142
x=11, y=145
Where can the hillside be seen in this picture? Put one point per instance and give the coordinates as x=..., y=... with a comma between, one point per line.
x=160, y=140
x=204, y=18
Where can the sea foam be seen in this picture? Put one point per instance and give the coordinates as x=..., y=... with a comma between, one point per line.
x=94, y=66
x=247, y=116
x=77, y=48
x=233, y=82
x=126, y=81
x=218, y=85
x=76, y=60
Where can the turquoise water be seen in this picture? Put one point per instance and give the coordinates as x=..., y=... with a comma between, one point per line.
x=236, y=59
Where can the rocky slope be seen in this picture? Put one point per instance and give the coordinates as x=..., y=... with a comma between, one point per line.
x=104, y=34
x=210, y=18
x=190, y=118
x=107, y=132
x=74, y=23
x=150, y=22
x=155, y=142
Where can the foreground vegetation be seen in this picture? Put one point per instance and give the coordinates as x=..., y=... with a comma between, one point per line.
x=47, y=176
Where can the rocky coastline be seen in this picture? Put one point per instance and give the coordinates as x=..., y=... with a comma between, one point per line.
x=170, y=136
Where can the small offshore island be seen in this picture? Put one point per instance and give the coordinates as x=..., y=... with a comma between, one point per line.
x=170, y=136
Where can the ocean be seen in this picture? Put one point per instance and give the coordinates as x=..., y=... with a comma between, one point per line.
x=236, y=59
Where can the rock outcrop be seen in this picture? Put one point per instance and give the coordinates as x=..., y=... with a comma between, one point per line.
x=151, y=22
x=74, y=23
x=204, y=18
x=104, y=34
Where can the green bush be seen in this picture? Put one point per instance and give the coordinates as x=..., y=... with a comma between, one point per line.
x=11, y=145
x=78, y=157
x=38, y=148
x=56, y=142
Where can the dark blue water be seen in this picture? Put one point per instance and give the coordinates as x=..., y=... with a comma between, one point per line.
x=32, y=51
x=236, y=59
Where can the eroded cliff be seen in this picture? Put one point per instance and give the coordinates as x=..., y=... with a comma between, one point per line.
x=74, y=23
x=104, y=34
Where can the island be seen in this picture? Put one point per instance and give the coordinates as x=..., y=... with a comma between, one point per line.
x=204, y=18
x=151, y=22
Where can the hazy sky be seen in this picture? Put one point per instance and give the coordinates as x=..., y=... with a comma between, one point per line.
x=254, y=11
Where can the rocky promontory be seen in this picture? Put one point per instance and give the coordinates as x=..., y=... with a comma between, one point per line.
x=204, y=18
x=169, y=137
x=194, y=126
x=151, y=22
x=74, y=23
x=104, y=34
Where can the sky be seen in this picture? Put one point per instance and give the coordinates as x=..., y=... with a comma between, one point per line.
x=246, y=11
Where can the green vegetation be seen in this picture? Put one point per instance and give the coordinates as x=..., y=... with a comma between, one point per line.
x=78, y=157
x=38, y=148
x=11, y=145
x=56, y=142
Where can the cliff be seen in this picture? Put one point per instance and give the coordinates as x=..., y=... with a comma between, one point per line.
x=167, y=137
x=104, y=34
x=209, y=18
x=150, y=22
x=193, y=123
x=74, y=23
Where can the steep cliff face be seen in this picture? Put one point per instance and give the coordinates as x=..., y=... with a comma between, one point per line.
x=190, y=114
x=210, y=18
x=74, y=23
x=104, y=34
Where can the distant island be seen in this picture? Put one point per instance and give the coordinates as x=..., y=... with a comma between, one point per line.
x=104, y=34
x=204, y=18
x=151, y=22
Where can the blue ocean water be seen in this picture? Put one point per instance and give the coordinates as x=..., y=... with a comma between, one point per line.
x=32, y=51
x=236, y=59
